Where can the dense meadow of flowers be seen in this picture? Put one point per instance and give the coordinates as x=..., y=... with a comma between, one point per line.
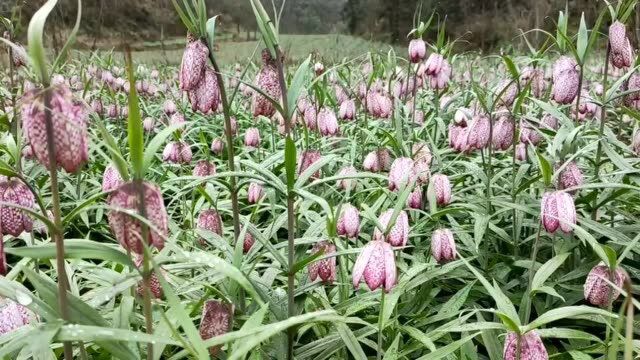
x=427, y=205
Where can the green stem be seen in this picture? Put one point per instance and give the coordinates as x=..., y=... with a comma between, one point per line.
x=146, y=271
x=226, y=109
x=527, y=295
x=489, y=165
x=57, y=233
x=603, y=118
x=380, y=323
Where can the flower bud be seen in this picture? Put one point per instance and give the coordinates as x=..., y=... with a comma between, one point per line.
x=254, y=193
x=111, y=178
x=349, y=222
x=443, y=247
x=414, y=200
x=96, y=105
x=128, y=229
x=318, y=68
x=155, y=288
x=521, y=152
x=248, y=242
x=217, y=146
x=325, y=269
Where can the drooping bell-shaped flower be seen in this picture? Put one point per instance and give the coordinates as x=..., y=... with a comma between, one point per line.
x=327, y=122
x=267, y=81
x=535, y=77
x=111, y=178
x=14, y=316
x=377, y=265
x=254, y=193
x=308, y=158
x=371, y=162
x=217, y=145
x=529, y=134
x=401, y=174
x=399, y=233
x=216, y=320
x=508, y=91
x=68, y=127
x=558, y=211
x=521, y=152
x=502, y=133
x=478, y=136
x=155, y=288
x=570, y=176
x=148, y=124
x=97, y=107
x=169, y=107
x=325, y=269
x=248, y=242
x=349, y=222
x=128, y=229
x=442, y=189
x=204, y=168
x=210, y=220
x=549, y=122
x=438, y=71
x=318, y=68
x=621, y=52
x=194, y=60
x=112, y=111
x=417, y=50
x=205, y=96
x=14, y=221
x=414, y=200
x=597, y=290
x=347, y=110
x=346, y=184
x=443, y=246
x=177, y=152
x=565, y=80
x=632, y=86
x=252, y=137
x=531, y=347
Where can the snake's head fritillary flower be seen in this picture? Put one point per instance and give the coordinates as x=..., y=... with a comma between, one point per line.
x=154, y=74
x=128, y=229
x=402, y=173
x=341, y=94
x=194, y=60
x=621, y=53
x=442, y=189
x=529, y=134
x=177, y=152
x=478, y=136
x=632, y=86
x=347, y=184
x=310, y=117
x=124, y=112
x=565, y=80
x=327, y=122
x=399, y=233
x=254, y=193
x=155, y=288
x=14, y=221
x=204, y=168
x=318, y=68
x=205, y=96
x=414, y=201
x=635, y=144
x=14, y=316
x=209, y=220
x=417, y=50
x=558, y=211
x=217, y=145
x=508, y=90
x=531, y=347
x=347, y=110
x=252, y=137
x=248, y=242
x=149, y=124
x=169, y=107
x=308, y=158
x=371, y=162
x=549, y=122
x=377, y=265
x=438, y=70
x=597, y=289
x=521, y=152
x=463, y=116
x=535, y=77
x=97, y=107
x=570, y=176
x=502, y=133
x=68, y=127
x=325, y=269
x=19, y=57
x=111, y=178
x=267, y=82
x=112, y=111
x=349, y=222
x=216, y=320
x=443, y=246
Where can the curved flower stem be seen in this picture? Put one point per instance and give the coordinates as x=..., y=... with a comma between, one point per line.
x=580, y=78
x=226, y=109
x=489, y=165
x=56, y=233
x=603, y=118
x=513, y=190
x=380, y=321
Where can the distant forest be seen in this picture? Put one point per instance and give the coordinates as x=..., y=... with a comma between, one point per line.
x=478, y=23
